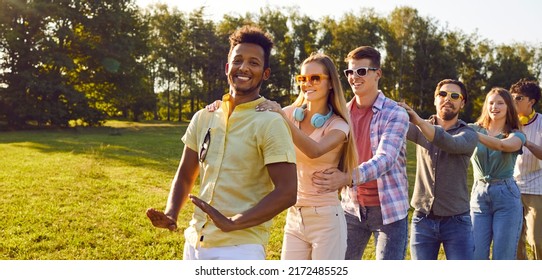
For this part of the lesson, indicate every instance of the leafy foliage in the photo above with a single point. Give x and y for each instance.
(78, 62)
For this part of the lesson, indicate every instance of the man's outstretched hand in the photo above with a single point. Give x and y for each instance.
(160, 220)
(222, 222)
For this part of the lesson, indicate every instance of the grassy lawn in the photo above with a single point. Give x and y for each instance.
(81, 194)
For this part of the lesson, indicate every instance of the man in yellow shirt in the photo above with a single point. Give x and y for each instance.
(247, 160)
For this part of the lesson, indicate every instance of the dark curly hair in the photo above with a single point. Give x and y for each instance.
(253, 35)
(528, 88)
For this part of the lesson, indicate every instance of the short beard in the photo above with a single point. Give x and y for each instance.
(448, 116)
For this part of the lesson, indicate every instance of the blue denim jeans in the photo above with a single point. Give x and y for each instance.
(390, 240)
(454, 233)
(497, 215)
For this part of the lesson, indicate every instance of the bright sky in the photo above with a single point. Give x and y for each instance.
(503, 22)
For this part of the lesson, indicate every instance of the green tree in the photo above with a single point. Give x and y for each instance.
(470, 53)
(432, 62)
(304, 43)
(417, 58)
(510, 64)
(197, 41)
(168, 54)
(40, 64)
(115, 46)
(279, 85)
(338, 38)
(64, 60)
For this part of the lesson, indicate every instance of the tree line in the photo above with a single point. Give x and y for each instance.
(80, 62)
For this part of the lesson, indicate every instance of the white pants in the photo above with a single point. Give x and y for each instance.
(237, 252)
(314, 233)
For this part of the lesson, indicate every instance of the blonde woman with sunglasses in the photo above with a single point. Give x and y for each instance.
(320, 124)
(496, 209)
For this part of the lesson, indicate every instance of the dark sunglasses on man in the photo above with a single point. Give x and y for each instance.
(205, 146)
(518, 97)
(451, 95)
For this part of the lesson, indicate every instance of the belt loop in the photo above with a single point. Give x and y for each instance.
(508, 181)
(363, 212)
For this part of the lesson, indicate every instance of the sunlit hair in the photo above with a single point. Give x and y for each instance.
(455, 82)
(365, 52)
(528, 88)
(349, 159)
(253, 35)
(512, 121)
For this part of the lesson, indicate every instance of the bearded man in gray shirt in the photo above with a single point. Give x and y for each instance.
(444, 145)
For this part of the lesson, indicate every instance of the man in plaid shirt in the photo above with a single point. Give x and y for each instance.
(376, 199)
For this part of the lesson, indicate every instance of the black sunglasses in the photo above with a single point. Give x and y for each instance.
(453, 95)
(205, 146)
(518, 97)
(360, 72)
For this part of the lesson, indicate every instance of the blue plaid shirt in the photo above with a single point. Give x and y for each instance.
(389, 127)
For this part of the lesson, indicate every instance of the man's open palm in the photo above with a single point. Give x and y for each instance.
(160, 220)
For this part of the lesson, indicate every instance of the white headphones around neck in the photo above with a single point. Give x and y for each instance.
(318, 120)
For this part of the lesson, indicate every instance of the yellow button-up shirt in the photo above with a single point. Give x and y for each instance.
(233, 174)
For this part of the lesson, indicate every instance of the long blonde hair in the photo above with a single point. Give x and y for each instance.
(512, 120)
(349, 156)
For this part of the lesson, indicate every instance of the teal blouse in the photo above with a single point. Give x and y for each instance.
(489, 164)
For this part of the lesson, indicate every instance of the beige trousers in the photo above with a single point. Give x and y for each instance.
(532, 226)
(314, 233)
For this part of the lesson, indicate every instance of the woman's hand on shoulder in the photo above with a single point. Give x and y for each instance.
(268, 105)
(213, 106)
(271, 106)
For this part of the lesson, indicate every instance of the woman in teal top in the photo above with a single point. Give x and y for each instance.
(496, 209)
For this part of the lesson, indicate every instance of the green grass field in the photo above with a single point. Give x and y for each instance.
(81, 194)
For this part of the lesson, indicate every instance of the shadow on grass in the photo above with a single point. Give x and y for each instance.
(150, 145)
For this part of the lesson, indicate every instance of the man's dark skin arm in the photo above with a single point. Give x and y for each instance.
(535, 149)
(182, 185)
(284, 195)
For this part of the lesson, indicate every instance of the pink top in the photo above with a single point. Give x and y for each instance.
(368, 191)
(306, 193)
